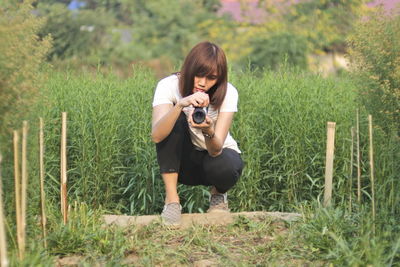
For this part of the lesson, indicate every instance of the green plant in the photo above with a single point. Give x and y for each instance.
(375, 57)
(348, 239)
(21, 60)
(111, 159)
(77, 34)
(160, 26)
(281, 129)
(83, 234)
(324, 24)
(279, 48)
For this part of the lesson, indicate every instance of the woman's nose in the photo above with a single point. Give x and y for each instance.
(202, 81)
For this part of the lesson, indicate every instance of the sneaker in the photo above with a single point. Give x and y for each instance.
(218, 202)
(171, 214)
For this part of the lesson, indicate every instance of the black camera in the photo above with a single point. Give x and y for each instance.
(199, 115)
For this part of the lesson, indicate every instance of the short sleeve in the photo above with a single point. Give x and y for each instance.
(164, 93)
(231, 100)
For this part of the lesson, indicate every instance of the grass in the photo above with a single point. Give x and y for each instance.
(280, 127)
(281, 130)
(245, 242)
(322, 236)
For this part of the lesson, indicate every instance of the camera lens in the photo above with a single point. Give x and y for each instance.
(199, 115)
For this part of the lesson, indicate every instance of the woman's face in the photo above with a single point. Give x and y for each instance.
(203, 84)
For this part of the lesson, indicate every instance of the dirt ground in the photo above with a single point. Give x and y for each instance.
(232, 240)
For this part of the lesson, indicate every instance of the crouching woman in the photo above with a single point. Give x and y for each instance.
(202, 153)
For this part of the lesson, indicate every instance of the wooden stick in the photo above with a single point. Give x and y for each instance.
(64, 205)
(330, 147)
(371, 163)
(42, 174)
(24, 182)
(351, 168)
(17, 193)
(61, 177)
(3, 240)
(62, 167)
(358, 159)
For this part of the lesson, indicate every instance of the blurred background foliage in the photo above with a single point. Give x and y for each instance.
(21, 55)
(120, 33)
(375, 55)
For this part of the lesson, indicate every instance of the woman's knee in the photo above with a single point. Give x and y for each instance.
(171, 149)
(224, 170)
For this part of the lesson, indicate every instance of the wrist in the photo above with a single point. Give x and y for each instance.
(209, 134)
(179, 105)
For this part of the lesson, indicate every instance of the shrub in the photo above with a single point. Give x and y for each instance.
(79, 33)
(272, 51)
(375, 59)
(21, 58)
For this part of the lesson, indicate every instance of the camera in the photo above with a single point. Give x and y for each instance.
(199, 115)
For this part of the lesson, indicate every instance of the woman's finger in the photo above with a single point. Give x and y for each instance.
(189, 117)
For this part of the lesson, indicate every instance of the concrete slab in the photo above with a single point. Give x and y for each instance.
(213, 218)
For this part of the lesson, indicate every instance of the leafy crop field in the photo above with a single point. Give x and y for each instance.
(281, 130)
(280, 127)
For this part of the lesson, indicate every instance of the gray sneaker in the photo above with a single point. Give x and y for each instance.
(219, 202)
(171, 214)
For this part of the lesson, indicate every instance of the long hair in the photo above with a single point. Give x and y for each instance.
(205, 59)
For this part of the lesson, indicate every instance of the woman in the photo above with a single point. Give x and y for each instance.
(196, 153)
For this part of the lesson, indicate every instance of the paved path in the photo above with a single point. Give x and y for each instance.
(213, 218)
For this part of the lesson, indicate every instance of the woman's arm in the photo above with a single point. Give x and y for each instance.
(164, 118)
(215, 144)
(165, 115)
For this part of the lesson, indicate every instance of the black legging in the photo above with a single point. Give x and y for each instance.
(176, 153)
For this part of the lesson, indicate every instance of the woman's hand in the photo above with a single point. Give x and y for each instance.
(198, 99)
(207, 126)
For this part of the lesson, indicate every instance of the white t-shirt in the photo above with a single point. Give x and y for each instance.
(167, 92)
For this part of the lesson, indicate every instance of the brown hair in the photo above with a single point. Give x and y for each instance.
(205, 59)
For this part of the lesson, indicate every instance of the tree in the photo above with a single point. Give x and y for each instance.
(22, 55)
(277, 49)
(325, 23)
(75, 33)
(169, 26)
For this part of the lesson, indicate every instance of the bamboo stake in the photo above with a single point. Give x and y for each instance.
(330, 147)
(351, 168)
(371, 163)
(63, 189)
(61, 177)
(3, 240)
(17, 193)
(24, 182)
(42, 174)
(62, 167)
(358, 159)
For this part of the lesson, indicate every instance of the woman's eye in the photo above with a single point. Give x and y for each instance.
(212, 77)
